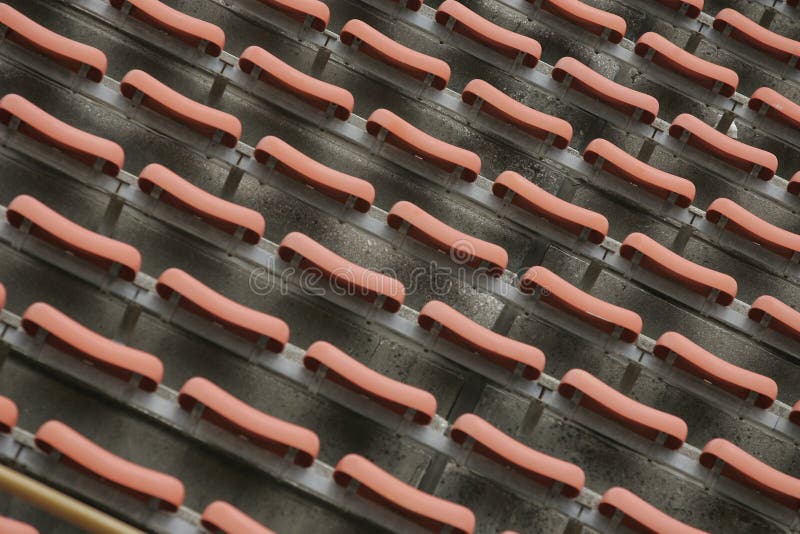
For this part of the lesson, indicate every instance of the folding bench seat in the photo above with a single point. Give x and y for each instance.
(220, 517)
(736, 26)
(607, 25)
(195, 32)
(547, 128)
(776, 315)
(36, 219)
(747, 470)
(222, 409)
(579, 77)
(460, 19)
(463, 249)
(11, 526)
(613, 160)
(54, 437)
(565, 478)
(513, 355)
(87, 61)
(691, 130)
(421, 145)
(366, 39)
(322, 95)
(664, 53)
(385, 291)
(766, 101)
(574, 219)
(102, 154)
(375, 484)
(8, 414)
(199, 299)
(690, 8)
(169, 188)
(602, 315)
(312, 13)
(638, 515)
(212, 123)
(55, 328)
(291, 162)
(731, 217)
(591, 393)
(348, 372)
(686, 355)
(653, 256)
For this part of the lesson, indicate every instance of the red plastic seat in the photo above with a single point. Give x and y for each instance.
(71, 337)
(224, 410)
(661, 260)
(321, 95)
(421, 145)
(606, 401)
(191, 30)
(639, 515)
(350, 373)
(499, 39)
(53, 228)
(589, 18)
(313, 13)
(2, 297)
(462, 248)
(782, 317)
(749, 471)
(695, 360)
(330, 182)
(11, 526)
(715, 143)
(742, 29)
(557, 132)
(8, 414)
(775, 106)
(740, 221)
(379, 486)
(377, 45)
(201, 300)
(691, 8)
(346, 275)
(205, 120)
(500, 350)
(71, 54)
(794, 184)
(498, 446)
(83, 146)
(224, 518)
(144, 483)
(670, 56)
(640, 106)
(794, 415)
(178, 192)
(619, 163)
(600, 314)
(532, 198)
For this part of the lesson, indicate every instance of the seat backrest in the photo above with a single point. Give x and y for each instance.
(9, 414)
(220, 516)
(747, 225)
(589, 18)
(639, 515)
(749, 32)
(779, 316)
(313, 13)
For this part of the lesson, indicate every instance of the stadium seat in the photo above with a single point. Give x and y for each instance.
(774, 105)
(220, 517)
(34, 122)
(606, 401)
(639, 515)
(11, 526)
(313, 13)
(607, 25)
(346, 275)
(502, 448)
(2, 297)
(377, 485)
(224, 410)
(108, 254)
(794, 184)
(71, 337)
(794, 415)
(742, 29)
(348, 372)
(776, 315)
(508, 353)
(8, 415)
(273, 71)
(546, 128)
(421, 145)
(738, 220)
(600, 314)
(209, 122)
(462, 249)
(131, 478)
